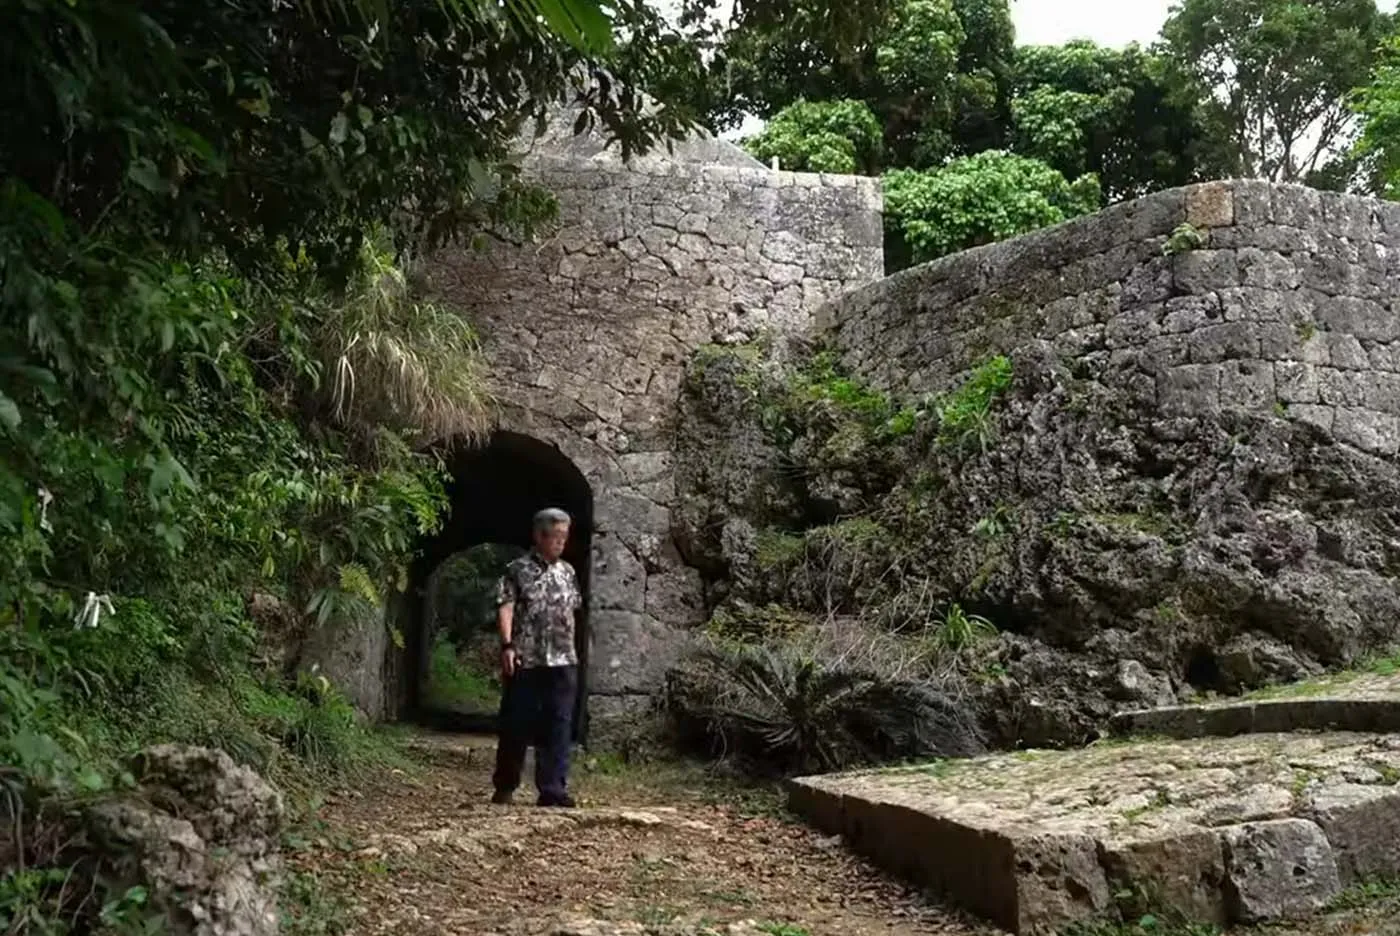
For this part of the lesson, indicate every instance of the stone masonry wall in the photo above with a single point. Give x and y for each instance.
(1289, 306)
(588, 332)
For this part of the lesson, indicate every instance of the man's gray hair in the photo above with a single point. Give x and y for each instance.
(551, 517)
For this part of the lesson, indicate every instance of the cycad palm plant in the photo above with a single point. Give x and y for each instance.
(793, 712)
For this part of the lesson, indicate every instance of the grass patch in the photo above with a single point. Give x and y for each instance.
(310, 908)
(1363, 894)
(1384, 664)
(778, 549)
(454, 683)
(783, 929)
(1147, 924)
(1153, 524)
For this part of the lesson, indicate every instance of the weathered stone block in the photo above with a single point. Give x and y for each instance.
(630, 652)
(1184, 871)
(1189, 389)
(1247, 384)
(1202, 271)
(1362, 824)
(1279, 869)
(1211, 205)
(1058, 880)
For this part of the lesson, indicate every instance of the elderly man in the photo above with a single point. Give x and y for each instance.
(536, 601)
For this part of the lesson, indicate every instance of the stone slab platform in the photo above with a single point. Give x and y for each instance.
(1221, 830)
(1341, 702)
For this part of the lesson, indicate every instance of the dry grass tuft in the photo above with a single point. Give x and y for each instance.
(396, 361)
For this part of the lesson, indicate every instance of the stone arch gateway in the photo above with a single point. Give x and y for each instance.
(587, 334)
(496, 489)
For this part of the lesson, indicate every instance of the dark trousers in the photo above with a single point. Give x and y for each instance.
(537, 707)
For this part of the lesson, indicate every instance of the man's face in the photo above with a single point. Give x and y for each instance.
(550, 541)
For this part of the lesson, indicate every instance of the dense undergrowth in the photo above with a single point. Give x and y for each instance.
(217, 388)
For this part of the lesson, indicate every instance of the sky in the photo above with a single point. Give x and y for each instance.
(1107, 22)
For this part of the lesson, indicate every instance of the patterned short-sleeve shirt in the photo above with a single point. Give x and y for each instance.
(545, 595)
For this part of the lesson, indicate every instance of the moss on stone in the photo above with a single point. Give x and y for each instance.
(778, 549)
(1185, 238)
(744, 622)
(1145, 521)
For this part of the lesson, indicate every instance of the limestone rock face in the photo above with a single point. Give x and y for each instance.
(201, 835)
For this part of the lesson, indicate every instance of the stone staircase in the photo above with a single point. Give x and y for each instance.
(1246, 811)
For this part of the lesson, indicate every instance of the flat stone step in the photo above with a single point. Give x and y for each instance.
(1339, 702)
(1218, 830)
(1259, 717)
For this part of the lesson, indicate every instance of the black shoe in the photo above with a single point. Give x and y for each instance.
(561, 801)
(503, 797)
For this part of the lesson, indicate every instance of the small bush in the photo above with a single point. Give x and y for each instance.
(789, 712)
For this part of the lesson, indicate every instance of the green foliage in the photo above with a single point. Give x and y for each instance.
(395, 361)
(189, 113)
(957, 630)
(464, 592)
(820, 391)
(1184, 238)
(824, 381)
(964, 414)
(777, 550)
(215, 378)
(1116, 113)
(933, 72)
(793, 713)
(1366, 892)
(1378, 105)
(1273, 78)
(980, 199)
(827, 136)
(454, 683)
(742, 622)
(783, 929)
(308, 910)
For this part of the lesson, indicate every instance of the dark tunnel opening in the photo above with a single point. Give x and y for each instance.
(495, 490)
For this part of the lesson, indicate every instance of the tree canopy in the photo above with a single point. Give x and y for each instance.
(1273, 78)
(1262, 88)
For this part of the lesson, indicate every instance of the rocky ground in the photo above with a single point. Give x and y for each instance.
(654, 851)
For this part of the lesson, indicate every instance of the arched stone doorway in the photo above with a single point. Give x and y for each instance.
(495, 490)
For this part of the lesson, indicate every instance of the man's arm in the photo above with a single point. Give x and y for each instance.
(577, 598)
(505, 621)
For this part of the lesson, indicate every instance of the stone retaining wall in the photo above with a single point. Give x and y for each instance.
(1287, 306)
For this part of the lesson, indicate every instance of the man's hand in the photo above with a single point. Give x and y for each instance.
(508, 662)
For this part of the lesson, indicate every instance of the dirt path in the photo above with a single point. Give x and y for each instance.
(659, 850)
